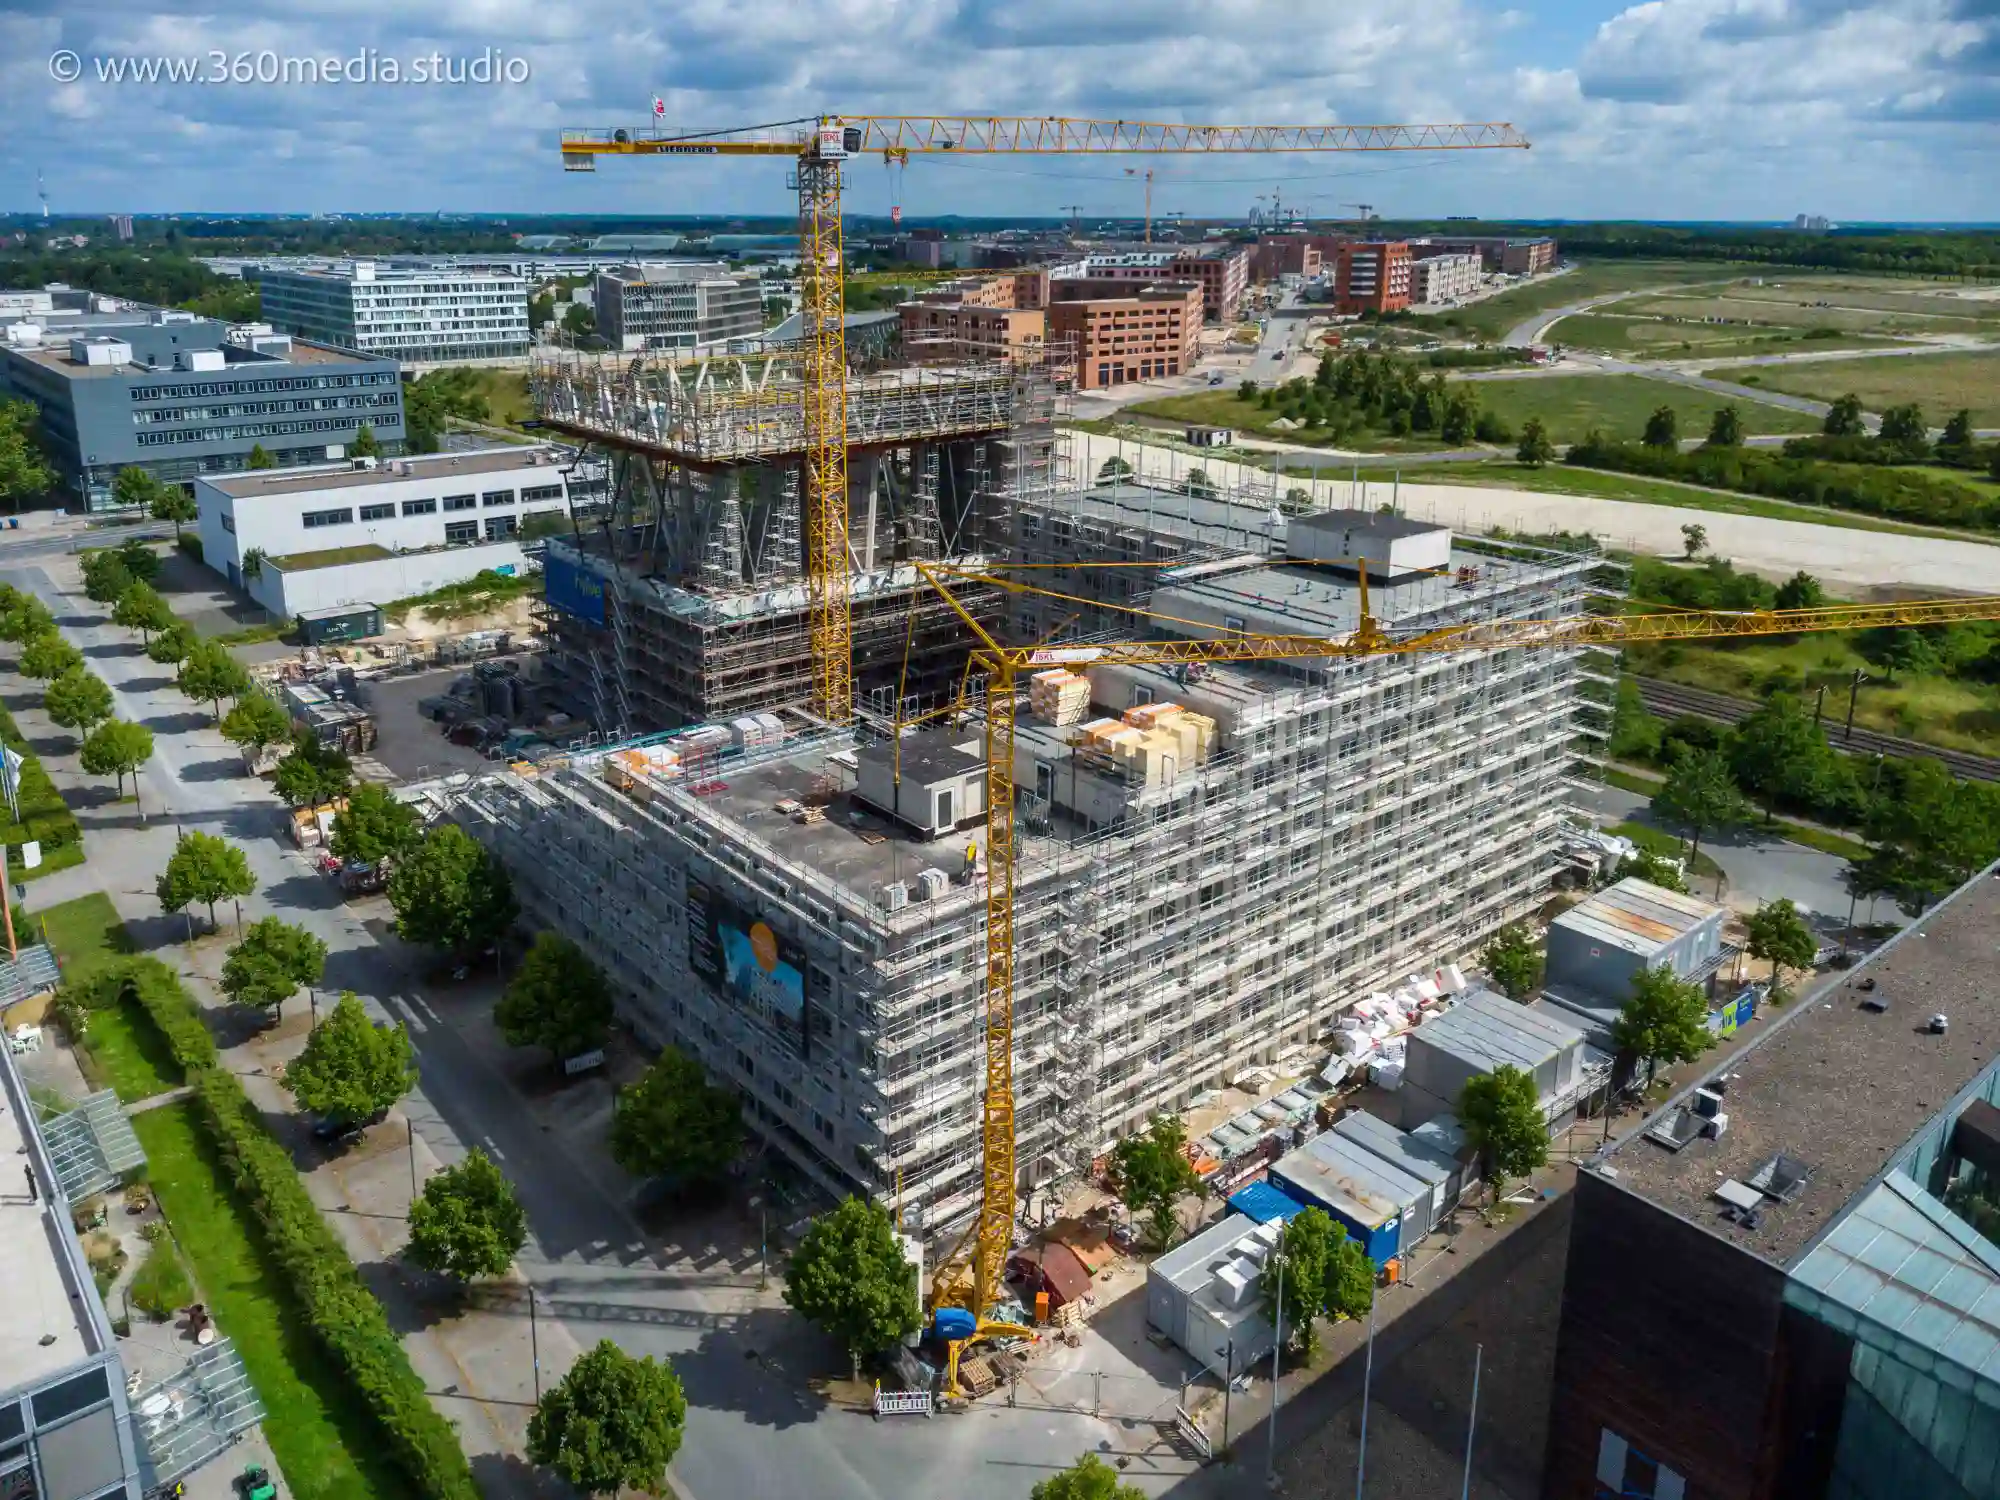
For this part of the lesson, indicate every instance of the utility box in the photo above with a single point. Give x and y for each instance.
(1599, 946)
(340, 622)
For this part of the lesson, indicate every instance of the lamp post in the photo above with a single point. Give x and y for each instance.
(1278, 1262)
(1367, 1380)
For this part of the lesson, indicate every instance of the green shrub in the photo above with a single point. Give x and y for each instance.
(159, 992)
(160, 1285)
(344, 1313)
(44, 814)
(190, 544)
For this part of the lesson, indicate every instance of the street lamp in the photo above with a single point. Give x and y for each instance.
(1278, 1263)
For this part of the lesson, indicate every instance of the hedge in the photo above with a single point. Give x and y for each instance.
(44, 814)
(344, 1314)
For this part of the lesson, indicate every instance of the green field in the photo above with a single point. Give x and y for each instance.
(1221, 408)
(1642, 337)
(321, 1431)
(123, 1049)
(1570, 405)
(1949, 712)
(1492, 318)
(506, 393)
(1601, 484)
(1940, 383)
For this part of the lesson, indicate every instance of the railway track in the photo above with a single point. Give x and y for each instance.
(1671, 699)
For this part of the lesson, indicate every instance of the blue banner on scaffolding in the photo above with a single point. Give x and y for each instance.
(573, 590)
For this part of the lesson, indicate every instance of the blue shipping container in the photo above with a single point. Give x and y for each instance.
(1264, 1203)
(1371, 1220)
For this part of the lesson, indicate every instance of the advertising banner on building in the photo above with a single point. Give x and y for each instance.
(756, 970)
(573, 590)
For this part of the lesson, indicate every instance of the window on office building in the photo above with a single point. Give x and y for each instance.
(456, 532)
(420, 507)
(500, 527)
(378, 512)
(317, 518)
(497, 497)
(461, 502)
(541, 492)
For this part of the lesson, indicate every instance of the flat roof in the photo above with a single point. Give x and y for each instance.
(45, 1325)
(1326, 600)
(249, 486)
(1486, 1030)
(1841, 1088)
(237, 361)
(1186, 1266)
(1367, 522)
(929, 754)
(1637, 916)
(1397, 1147)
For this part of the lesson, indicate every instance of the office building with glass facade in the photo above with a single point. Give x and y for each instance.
(415, 315)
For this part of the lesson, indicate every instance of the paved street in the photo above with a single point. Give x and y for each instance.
(686, 1291)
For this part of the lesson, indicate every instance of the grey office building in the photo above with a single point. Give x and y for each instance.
(433, 315)
(676, 305)
(184, 396)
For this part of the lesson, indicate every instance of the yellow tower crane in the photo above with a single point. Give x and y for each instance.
(818, 145)
(1001, 666)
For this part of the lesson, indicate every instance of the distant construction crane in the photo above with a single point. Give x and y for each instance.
(819, 145)
(1367, 211)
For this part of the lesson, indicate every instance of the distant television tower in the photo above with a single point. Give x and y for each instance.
(42, 192)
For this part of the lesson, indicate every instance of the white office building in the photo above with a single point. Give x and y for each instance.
(1438, 279)
(370, 533)
(417, 316)
(687, 305)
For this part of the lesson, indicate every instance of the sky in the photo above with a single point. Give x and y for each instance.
(1668, 109)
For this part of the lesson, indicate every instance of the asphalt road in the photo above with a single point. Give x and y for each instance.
(754, 1429)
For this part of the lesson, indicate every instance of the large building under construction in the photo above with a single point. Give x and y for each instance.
(685, 600)
(1211, 862)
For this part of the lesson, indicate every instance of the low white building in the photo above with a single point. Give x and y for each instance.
(1437, 279)
(365, 532)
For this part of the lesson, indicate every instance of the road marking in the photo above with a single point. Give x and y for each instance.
(410, 1017)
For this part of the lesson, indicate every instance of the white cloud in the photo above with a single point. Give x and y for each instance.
(1673, 108)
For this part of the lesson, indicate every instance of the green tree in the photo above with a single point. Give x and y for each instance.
(1725, 428)
(1513, 961)
(467, 1222)
(1303, 1257)
(77, 700)
(1665, 1020)
(1693, 539)
(1535, 449)
(260, 458)
(1461, 415)
(211, 674)
(1663, 428)
(613, 1424)
(48, 657)
(142, 609)
(271, 962)
(1701, 793)
(1151, 1173)
(1200, 485)
(114, 748)
(171, 646)
(1904, 427)
(1089, 1478)
(105, 577)
(204, 868)
(850, 1277)
(450, 893)
(1780, 937)
(313, 774)
(1800, 591)
(1635, 733)
(364, 444)
(136, 487)
(579, 321)
(1502, 1116)
(1843, 417)
(174, 504)
(256, 721)
(252, 566)
(1350, 1278)
(351, 1069)
(1654, 869)
(1993, 464)
(1298, 501)
(558, 999)
(139, 559)
(25, 619)
(1779, 752)
(1957, 436)
(1930, 837)
(25, 473)
(1901, 648)
(674, 1124)
(1114, 470)
(1247, 391)
(375, 825)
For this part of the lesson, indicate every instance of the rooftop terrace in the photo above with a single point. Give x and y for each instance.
(1840, 1086)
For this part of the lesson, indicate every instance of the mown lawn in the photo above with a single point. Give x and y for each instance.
(324, 1437)
(1493, 318)
(1940, 383)
(1571, 405)
(123, 1049)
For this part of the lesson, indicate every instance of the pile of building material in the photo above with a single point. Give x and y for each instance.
(1059, 695)
(1369, 1035)
(1153, 741)
(503, 710)
(329, 715)
(756, 731)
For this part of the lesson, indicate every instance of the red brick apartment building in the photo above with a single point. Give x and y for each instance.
(1372, 277)
(1285, 255)
(1121, 333)
(1028, 288)
(1222, 270)
(936, 331)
